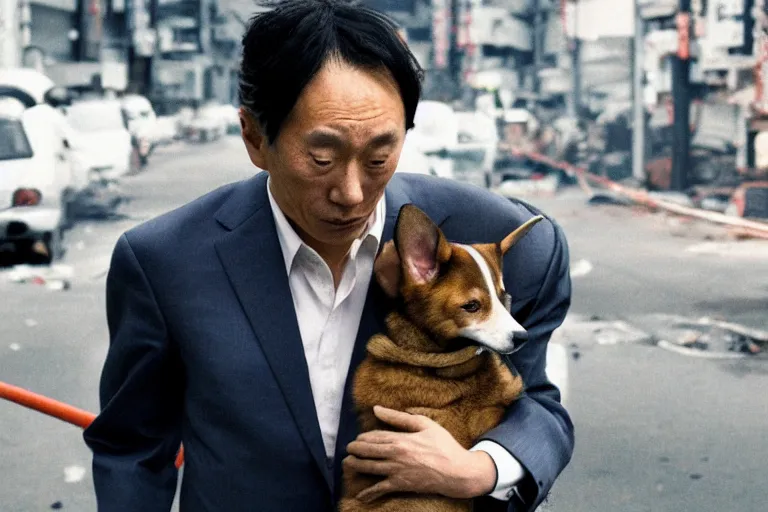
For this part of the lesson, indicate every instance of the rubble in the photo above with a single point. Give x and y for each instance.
(707, 337)
(55, 277)
(543, 186)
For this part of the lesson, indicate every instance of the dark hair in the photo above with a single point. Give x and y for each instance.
(285, 47)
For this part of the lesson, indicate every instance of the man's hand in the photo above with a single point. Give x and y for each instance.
(423, 459)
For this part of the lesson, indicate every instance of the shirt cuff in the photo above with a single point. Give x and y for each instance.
(508, 470)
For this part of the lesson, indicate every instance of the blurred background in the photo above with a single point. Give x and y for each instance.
(641, 126)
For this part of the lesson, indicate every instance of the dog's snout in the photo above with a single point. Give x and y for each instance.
(517, 339)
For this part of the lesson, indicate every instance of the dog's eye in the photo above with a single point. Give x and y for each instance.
(472, 306)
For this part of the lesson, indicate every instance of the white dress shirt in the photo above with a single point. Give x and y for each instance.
(329, 319)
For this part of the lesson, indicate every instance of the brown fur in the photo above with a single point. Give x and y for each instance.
(420, 367)
(467, 398)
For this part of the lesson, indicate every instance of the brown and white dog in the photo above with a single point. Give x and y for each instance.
(439, 357)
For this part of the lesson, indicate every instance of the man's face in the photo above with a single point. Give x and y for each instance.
(335, 152)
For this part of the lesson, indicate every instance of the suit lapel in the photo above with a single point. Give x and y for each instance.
(253, 260)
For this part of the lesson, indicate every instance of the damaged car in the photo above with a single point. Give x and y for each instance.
(35, 174)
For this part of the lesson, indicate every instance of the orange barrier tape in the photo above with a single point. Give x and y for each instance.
(757, 229)
(56, 409)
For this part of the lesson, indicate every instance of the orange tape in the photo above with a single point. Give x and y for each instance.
(56, 409)
(754, 228)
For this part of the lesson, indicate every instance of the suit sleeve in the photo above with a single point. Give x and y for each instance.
(537, 430)
(135, 437)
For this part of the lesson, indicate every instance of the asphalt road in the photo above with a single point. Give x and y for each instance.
(656, 431)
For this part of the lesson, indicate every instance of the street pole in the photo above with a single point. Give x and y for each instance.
(538, 49)
(454, 64)
(681, 98)
(638, 124)
(575, 64)
(9, 34)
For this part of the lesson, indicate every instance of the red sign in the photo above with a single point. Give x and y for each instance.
(683, 21)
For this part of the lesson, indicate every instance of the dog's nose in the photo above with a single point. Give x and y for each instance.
(520, 337)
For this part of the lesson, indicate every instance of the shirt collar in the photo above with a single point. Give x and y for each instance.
(291, 243)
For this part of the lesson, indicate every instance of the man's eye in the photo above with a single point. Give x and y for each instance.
(378, 162)
(321, 162)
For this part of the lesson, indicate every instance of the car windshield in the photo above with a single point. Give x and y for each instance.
(468, 160)
(86, 117)
(13, 141)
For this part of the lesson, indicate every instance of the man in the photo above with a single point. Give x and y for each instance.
(236, 320)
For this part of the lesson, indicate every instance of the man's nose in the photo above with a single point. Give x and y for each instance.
(349, 189)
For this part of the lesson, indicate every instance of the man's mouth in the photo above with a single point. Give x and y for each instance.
(345, 223)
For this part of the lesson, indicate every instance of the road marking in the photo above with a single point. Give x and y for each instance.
(74, 474)
(752, 249)
(581, 268)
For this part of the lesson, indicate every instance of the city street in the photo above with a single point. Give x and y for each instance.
(656, 430)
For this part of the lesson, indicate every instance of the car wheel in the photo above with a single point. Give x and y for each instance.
(68, 210)
(56, 246)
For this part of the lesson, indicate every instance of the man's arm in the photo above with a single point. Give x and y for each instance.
(537, 430)
(137, 434)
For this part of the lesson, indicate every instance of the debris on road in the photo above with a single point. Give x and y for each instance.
(578, 332)
(536, 186)
(708, 338)
(30, 322)
(54, 277)
(15, 347)
(608, 197)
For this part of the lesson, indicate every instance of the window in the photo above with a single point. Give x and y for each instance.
(13, 141)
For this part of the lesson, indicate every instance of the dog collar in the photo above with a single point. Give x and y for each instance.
(382, 347)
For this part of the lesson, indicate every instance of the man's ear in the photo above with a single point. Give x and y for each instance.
(421, 246)
(254, 138)
(388, 271)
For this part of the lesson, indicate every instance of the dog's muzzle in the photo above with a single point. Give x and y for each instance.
(517, 339)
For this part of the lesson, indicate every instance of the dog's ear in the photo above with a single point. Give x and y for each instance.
(515, 236)
(388, 271)
(420, 245)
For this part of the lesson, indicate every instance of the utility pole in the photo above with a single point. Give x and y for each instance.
(575, 105)
(681, 98)
(454, 63)
(10, 52)
(538, 45)
(638, 81)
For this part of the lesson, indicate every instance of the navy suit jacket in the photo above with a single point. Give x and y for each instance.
(205, 349)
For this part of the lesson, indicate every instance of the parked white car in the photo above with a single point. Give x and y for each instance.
(101, 143)
(167, 130)
(207, 125)
(35, 179)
